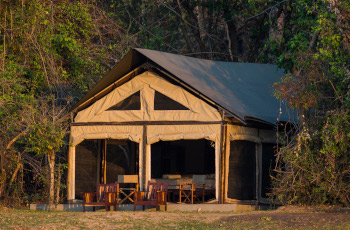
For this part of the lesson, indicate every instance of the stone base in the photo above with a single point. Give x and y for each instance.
(211, 207)
(78, 207)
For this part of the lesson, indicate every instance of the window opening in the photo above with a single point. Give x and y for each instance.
(132, 102)
(162, 102)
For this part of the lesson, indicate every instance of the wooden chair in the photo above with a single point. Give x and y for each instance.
(193, 191)
(105, 195)
(127, 192)
(155, 195)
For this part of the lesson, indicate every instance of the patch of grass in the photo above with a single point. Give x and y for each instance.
(14, 218)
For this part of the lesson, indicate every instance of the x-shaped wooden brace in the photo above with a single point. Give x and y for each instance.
(187, 194)
(127, 195)
(199, 190)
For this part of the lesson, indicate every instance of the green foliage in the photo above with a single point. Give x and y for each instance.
(44, 138)
(317, 165)
(51, 54)
(317, 161)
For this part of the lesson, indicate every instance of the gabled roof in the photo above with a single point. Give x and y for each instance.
(243, 89)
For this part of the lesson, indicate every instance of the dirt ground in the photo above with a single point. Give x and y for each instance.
(282, 218)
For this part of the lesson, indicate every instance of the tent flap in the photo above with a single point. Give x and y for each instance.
(157, 133)
(80, 133)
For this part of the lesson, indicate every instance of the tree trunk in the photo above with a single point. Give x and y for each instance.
(58, 186)
(192, 21)
(3, 175)
(234, 41)
(51, 159)
(2, 180)
(232, 35)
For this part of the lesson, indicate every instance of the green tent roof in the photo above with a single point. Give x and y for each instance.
(243, 89)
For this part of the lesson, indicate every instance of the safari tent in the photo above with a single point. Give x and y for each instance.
(166, 116)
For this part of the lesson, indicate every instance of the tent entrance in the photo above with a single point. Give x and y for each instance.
(183, 157)
(177, 162)
(101, 161)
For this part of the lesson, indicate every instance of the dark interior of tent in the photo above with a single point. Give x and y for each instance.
(95, 165)
(182, 157)
(242, 171)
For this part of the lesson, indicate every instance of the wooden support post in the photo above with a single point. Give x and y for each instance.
(223, 150)
(104, 161)
(142, 160)
(227, 161)
(222, 162)
(217, 169)
(147, 164)
(71, 174)
(144, 150)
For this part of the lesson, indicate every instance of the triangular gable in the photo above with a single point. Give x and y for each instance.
(148, 84)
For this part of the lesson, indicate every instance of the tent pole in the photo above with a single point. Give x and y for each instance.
(147, 164)
(222, 162)
(224, 156)
(142, 159)
(104, 161)
(71, 166)
(227, 160)
(71, 174)
(217, 168)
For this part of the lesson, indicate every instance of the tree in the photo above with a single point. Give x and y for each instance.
(315, 162)
(51, 53)
(45, 137)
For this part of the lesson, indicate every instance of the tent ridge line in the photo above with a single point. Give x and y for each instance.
(150, 123)
(113, 85)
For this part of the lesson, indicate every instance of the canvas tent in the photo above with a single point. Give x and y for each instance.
(162, 113)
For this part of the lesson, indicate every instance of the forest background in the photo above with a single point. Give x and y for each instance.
(53, 51)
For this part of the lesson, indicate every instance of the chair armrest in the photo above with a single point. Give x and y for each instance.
(89, 197)
(184, 184)
(161, 196)
(111, 197)
(139, 196)
(199, 185)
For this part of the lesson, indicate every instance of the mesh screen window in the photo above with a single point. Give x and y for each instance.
(162, 102)
(132, 102)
